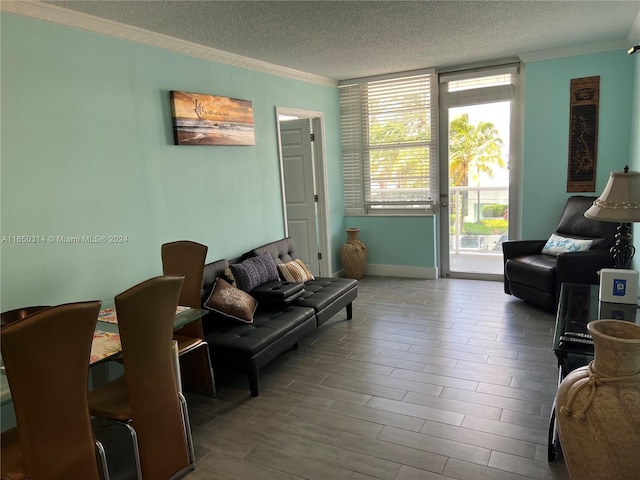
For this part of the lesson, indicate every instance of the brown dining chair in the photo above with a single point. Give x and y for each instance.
(146, 399)
(188, 258)
(46, 359)
(18, 314)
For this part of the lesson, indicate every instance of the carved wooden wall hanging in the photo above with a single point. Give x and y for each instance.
(583, 134)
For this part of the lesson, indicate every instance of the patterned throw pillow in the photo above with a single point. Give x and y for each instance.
(295, 271)
(231, 302)
(254, 271)
(557, 245)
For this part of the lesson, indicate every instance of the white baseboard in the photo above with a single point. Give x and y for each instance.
(402, 271)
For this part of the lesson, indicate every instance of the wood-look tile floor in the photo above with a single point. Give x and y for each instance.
(431, 379)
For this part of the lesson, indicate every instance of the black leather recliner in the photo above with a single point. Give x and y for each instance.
(536, 277)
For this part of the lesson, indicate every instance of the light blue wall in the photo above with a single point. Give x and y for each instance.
(635, 116)
(397, 241)
(412, 242)
(87, 149)
(546, 131)
(635, 145)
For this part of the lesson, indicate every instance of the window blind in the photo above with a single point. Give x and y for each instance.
(389, 140)
(472, 87)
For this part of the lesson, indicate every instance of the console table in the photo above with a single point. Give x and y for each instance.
(579, 305)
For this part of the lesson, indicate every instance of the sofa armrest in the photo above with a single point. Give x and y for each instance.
(517, 248)
(278, 293)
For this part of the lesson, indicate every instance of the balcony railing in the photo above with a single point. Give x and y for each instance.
(479, 218)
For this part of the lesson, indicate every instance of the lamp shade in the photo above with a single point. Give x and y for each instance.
(620, 200)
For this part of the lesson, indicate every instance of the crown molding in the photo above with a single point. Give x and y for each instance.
(90, 23)
(550, 54)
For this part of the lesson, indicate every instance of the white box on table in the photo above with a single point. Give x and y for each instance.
(618, 286)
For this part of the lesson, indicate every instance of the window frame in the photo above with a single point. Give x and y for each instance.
(355, 101)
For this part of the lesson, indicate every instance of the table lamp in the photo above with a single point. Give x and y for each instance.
(620, 203)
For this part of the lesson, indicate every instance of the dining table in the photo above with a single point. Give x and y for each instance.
(106, 343)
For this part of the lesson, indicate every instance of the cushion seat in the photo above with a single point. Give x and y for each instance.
(319, 292)
(228, 337)
(538, 270)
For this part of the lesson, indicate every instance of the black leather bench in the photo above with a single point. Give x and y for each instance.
(326, 295)
(286, 312)
(247, 347)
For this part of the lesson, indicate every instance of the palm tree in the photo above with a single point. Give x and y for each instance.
(473, 149)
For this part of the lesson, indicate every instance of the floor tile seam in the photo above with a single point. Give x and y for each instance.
(546, 385)
(360, 450)
(309, 437)
(445, 346)
(439, 380)
(480, 380)
(548, 396)
(508, 406)
(541, 463)
(519, 477)
(390, 344)
(388, 352)
(387, 413)
(522, 365)
(399, 390)
(462, 408)
(482, 449)
(542, 432)
(491, 435)
(452, 354)
(436, 412)
(289, 472)
(326, 414)
(386, 361)
(419, 385)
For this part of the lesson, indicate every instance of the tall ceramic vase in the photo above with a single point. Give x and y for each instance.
(353, 254)
(599, 407)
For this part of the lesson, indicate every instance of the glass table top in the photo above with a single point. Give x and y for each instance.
(579, 304)
(106, 340)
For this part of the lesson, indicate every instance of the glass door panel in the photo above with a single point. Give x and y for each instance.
(478, 185)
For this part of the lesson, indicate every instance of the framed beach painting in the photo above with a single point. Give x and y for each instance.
(201, 119)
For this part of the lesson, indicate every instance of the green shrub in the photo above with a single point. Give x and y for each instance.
(494, 210)
(475, 229)
(498, 226)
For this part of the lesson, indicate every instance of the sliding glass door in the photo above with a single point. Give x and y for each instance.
(477, 118)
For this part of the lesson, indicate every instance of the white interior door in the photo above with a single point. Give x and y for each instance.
(299, 184)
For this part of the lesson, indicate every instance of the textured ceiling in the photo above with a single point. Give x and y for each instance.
(350, 39)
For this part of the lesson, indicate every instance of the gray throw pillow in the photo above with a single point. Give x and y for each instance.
(254, 271)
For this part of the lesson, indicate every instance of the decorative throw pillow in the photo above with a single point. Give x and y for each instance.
(231, 302)
(295, 271)
(557, 245)
(254, 271)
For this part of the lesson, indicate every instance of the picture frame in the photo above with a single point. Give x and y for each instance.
(203, 119)
(583, 134)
